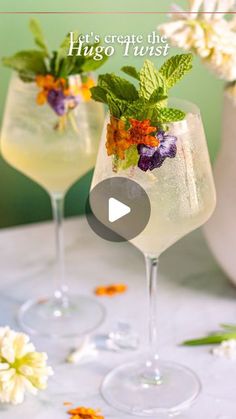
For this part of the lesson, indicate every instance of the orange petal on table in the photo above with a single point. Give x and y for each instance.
(84, 413)
(110, 290)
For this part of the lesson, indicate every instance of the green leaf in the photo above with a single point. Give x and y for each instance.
(211, 339)
(113, 106)
(99, 94)
(175, 68)
(136, 106)
(118, 87)
(158, 96)
(38, 36)
(131, 71)
(62, 51)
(90, 64)
(31, 61)
(131, 159)
(27, 77)
(229, 327)
(150, 80)
(164, 115)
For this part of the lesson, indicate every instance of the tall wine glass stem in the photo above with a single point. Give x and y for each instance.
(152, 374)
(60, 293)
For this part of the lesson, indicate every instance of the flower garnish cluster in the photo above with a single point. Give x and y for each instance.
(137, 133)
(21, 367)
(206, 30)
(63, 81)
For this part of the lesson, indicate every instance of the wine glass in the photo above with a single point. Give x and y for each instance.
(54, 152)
(182, 197)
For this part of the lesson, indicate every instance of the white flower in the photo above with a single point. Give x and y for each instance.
(83, 353)
(21, 367)
(227, 349)
(210, 36)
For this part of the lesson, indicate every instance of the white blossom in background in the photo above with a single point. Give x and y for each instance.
(21, 367)
(211, 36)
(227, 349)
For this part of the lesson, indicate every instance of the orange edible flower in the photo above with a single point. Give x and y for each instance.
(110, 290)
(118, 138)
(85, 413)
(46, 83)
(41, 97)
(140, 133)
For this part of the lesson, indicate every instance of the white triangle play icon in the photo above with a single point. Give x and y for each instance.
(116, 209)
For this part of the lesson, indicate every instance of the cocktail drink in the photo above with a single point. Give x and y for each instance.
(32, 143)
(165, 152)
(50, 133)
(181, 191)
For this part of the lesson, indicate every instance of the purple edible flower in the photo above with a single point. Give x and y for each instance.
(153, 157)
(56, 100)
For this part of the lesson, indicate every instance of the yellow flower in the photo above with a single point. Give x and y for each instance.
(21, 367)
(85, 89)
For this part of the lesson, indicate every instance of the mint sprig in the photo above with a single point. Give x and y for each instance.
(31, 63)
(148, 100)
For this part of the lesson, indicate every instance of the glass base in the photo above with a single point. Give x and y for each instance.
(127, 389)
(81, 315)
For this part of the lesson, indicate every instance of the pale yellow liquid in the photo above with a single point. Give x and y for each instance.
(55, 167)
(30, 143)
(181, 191)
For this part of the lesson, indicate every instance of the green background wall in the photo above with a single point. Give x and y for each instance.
(22, 201)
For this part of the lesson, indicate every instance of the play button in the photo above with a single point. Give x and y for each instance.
(118, 209)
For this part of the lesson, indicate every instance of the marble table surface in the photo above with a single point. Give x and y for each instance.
(194, 298)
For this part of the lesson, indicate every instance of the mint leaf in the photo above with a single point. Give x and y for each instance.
(90, 64)
(140, 109)
(175, 68)
(150, 80)
(38, 36)
(164, 115)
(31, 62)
(136, 109)
(158, 96)
(131, 71)
(62, 51)
(27, 77)
(119, 87)
(131, 158)
(99, 94)
(116, 106)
